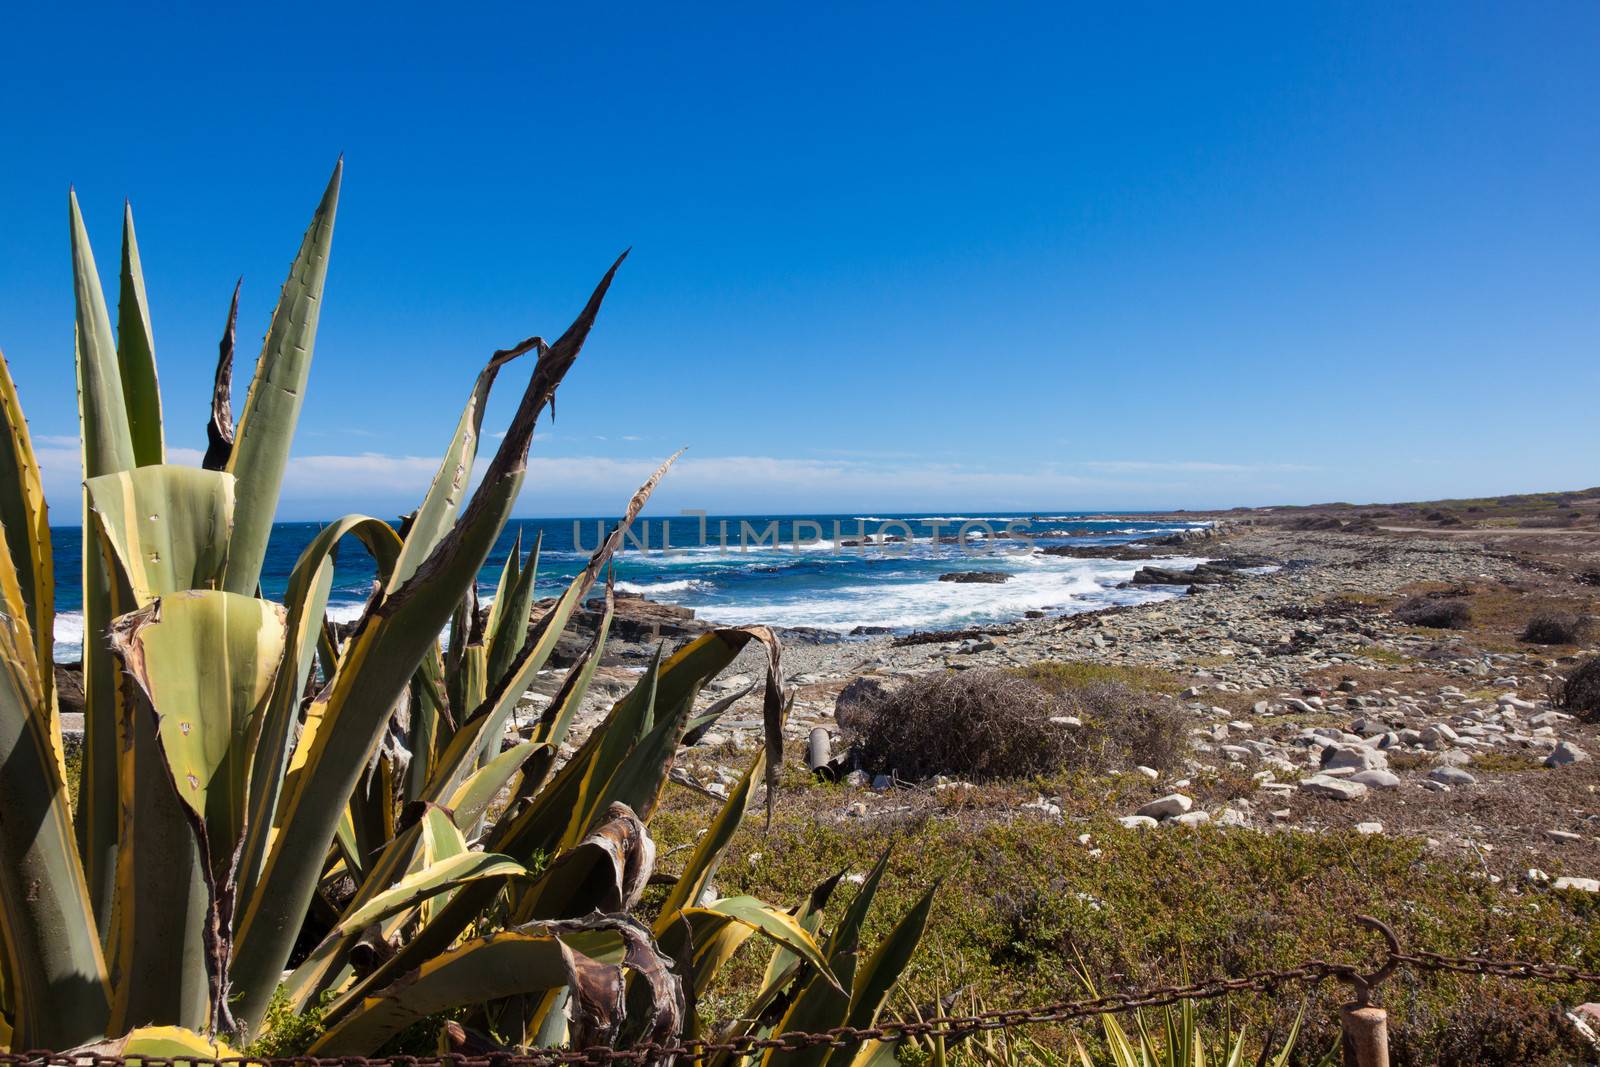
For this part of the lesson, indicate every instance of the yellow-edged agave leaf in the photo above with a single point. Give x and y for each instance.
(169, 526)
(625, 759)
(158, 1043)
(473, 797)
(306, 599)
(272, 407)
(876, 978)
(507, 628)
(136, 354)
(204, 662)
(55, 973)
(442, 876)
(818, 1004)
(771, 922)
(207, 661)
(702, 864)
(478, 971)
(375, 669)
(107, 447)
(430, 840)
(25, 526)
(538, 828)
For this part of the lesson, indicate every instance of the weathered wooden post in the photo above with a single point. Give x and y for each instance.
(1365, 1025)
(1366, 1035)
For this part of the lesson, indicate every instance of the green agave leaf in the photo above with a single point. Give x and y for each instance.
(25, 526)
(509, 617)
(107, 448)
(703, 862)
(774, 923)
(160, 1043)
(169, 526)
(55, 973)
(877, 977)
(449, 873)
(480, 970)
(474, 796)
(205, 662)
(272, 408)
(136, 357)
(347, 719)
(307, 599)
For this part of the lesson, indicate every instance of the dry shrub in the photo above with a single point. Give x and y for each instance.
(1581, 693)
(1447, 613)
(1555, 628)
(982, 725)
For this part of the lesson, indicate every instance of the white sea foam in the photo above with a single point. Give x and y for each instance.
(345, 613)
(657, 589)
(1049, 584)
(68, 636)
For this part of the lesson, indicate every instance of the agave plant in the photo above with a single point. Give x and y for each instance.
(1171, 1037)
(253, 780)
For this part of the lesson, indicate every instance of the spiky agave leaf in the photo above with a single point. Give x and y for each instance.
(349, 716)
(55, 972)
(173, 1044)
(136, 356)
(25, 527)
(219, 427)
(107, 448)
(205, 662)
(500, 965)
(272, 407)
(306, 598)
(168, 526)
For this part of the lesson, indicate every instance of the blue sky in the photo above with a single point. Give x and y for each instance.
(887, 256)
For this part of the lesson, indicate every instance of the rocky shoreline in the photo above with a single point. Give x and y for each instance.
(1312, 707)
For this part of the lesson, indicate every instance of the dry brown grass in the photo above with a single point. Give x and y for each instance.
(1555, 628)
(1581, 693)
(984, 725)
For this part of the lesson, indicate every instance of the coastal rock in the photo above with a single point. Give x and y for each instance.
(1582, 885)
(1353, 757)
(1376, 779)
(1338, 788)
(1166, 807)
(1451, 776)
(976, 577)
(1565, 753)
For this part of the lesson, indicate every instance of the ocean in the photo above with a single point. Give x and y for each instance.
(838, 573)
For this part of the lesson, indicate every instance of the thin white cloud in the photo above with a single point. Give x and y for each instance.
(321, 485)
(1187, 465)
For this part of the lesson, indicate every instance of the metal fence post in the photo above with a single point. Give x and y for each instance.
(1366, 1035)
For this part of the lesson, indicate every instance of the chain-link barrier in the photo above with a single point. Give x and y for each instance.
(692, 1051)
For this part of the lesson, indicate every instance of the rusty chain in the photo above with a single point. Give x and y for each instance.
(1310, 973)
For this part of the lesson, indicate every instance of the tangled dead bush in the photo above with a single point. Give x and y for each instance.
(1439, 613)
(1581, 693)
(1555, 628)
(986, 724)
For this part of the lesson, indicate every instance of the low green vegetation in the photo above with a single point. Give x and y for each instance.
(1024, 900)
(1060, 675)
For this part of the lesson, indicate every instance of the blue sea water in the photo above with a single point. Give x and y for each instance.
(827, 572)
